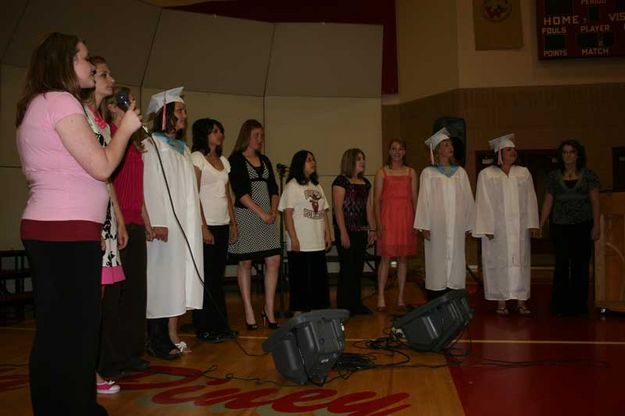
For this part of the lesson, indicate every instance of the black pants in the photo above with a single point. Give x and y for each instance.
(123, 307)
(433, 294)
(573, 249)
(308, 278)
(66, 287)
(213, 317)
(352, 261)
(158, 341)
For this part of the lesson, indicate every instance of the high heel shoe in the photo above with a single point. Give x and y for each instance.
(251, 327)
(267, 322)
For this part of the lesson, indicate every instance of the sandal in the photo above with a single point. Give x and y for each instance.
(182, 347)
(523, 310)
(502, 311)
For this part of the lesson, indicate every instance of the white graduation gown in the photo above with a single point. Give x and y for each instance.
(173, 285)
(445, 208)
(506, 207)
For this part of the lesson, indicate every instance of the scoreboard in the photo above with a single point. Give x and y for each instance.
(580, 28)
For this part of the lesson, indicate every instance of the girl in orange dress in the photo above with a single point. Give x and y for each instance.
(395, 201)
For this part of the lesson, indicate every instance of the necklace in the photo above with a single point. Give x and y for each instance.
(98, 118)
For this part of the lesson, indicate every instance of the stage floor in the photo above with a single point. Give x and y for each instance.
(513, 365)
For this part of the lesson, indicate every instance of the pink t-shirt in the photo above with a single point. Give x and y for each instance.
(60, 189)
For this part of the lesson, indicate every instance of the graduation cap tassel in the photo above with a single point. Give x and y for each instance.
(431, 156)
(499, 158)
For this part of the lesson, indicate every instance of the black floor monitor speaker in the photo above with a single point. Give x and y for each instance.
(433, 326)
(307, 346)
(457, 128)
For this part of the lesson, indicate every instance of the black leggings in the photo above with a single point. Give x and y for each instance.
(352, 261)
(66, 287)
(573, 249)
(213, 317)
(123, 307)
(308, 279)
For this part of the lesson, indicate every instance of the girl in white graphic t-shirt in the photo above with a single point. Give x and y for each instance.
(305, 209)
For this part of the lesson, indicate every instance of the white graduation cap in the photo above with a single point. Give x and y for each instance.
(160, 99)
(501, 143)
(435, 139)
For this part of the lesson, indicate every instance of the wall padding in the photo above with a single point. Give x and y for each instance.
(119, 30)
(326, 60)
(207, 53)
(15, 195)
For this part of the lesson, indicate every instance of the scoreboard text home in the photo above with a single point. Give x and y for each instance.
(580, 28)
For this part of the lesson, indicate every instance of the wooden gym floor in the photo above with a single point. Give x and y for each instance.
(513, 365)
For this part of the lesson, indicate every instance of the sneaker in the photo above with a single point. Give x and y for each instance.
(108, 387)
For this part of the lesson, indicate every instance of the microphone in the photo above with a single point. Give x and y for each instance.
(123, 102)
(282, 169)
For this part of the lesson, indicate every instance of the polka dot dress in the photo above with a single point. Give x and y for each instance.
(255, 239)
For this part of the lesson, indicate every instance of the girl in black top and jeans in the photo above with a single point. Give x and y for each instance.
(572, 206)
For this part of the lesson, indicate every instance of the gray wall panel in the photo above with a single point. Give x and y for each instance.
(16, 193)
(326, 60)
(210, 54)
(119, 30)
(11, 13)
